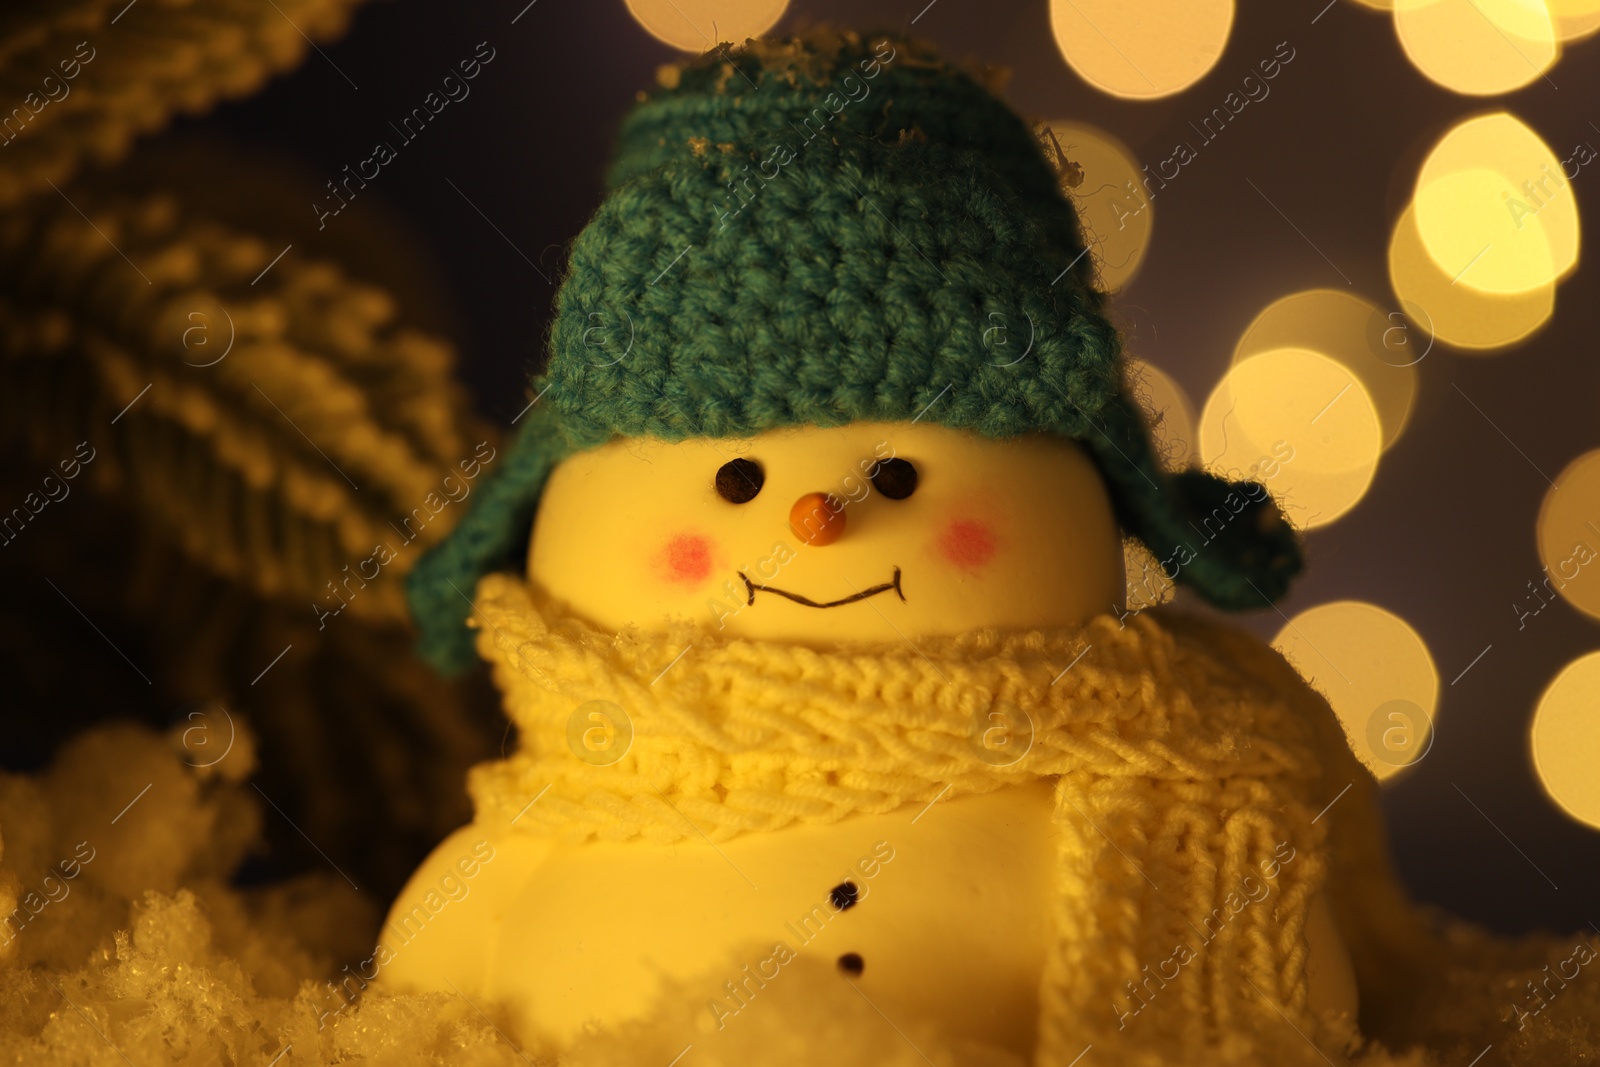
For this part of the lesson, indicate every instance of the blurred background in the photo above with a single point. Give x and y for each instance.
(1340, 215)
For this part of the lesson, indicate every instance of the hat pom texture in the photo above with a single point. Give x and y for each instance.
(831, 228)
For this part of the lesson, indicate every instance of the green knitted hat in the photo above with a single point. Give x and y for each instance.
(830, 228)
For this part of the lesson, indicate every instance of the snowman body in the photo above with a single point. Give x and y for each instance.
(944, 910)
(940, 912)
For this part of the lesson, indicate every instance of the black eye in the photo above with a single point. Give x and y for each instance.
(739, 480)
(895, 479)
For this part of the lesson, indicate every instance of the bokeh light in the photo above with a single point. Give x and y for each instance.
(697, 25)
(1377, 674)
(1569, 539)
(1301, 424)
(1170, 413)
(1494, 208)
(1478, 47)
(1372, 344)
(1565, 738)
(1110, 197)
(1575, 19)
(1572, 19)
(1141, 50)
(1469, 319)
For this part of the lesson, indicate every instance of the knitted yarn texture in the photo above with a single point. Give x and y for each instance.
(1172, 768)
(829, 229)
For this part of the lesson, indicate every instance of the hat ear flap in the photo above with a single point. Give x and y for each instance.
(1226, 540)
(493, 535)
(1244, 551)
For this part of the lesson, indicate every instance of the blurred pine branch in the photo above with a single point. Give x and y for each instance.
(259, 423)
(151, 60)
(278, 431)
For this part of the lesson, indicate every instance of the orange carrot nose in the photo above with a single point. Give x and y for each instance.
(817, 519)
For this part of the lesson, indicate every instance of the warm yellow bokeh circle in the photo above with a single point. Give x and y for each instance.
(1373, 344)
(1142, 50)
(697, 25)
(1569, 540)
(1110, 196)
(1575, 19)
(1494, 207)
(1469, 319)
(1301, 424)
(1377, 674)
(1565, 738)
(1478, 47)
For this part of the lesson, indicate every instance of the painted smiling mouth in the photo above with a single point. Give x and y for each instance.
(751, 587)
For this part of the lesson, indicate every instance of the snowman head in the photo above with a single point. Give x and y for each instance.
(868, 531)
(836, 279)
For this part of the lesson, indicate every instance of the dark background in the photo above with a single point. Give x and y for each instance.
(1445, 536)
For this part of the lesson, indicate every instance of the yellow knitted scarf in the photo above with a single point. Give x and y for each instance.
(1188, 790)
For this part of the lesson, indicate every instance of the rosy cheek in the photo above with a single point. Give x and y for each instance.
(967, 543)
(685, 559)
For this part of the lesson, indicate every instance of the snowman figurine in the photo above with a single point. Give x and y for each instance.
(803, 584)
